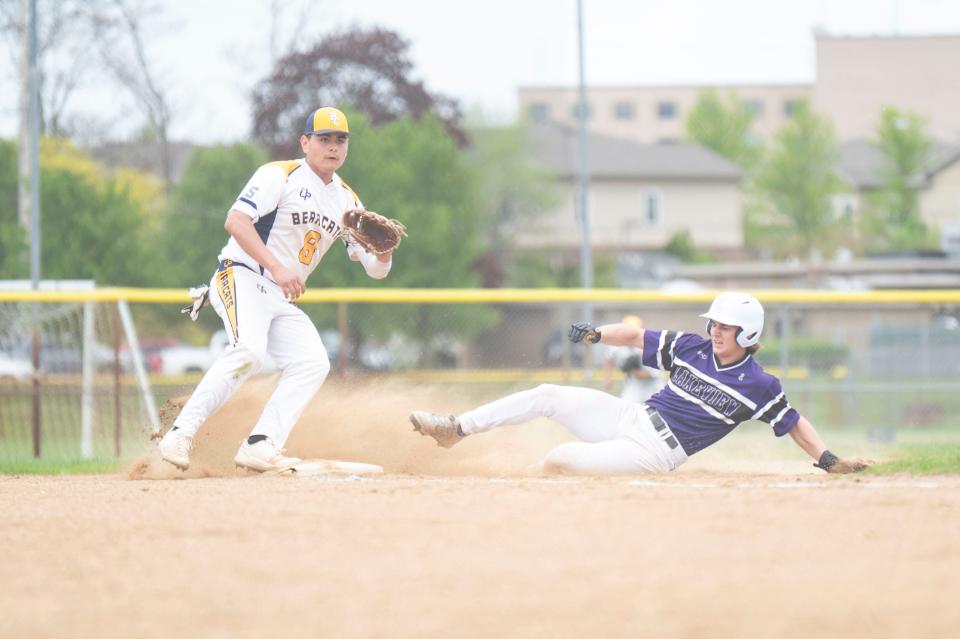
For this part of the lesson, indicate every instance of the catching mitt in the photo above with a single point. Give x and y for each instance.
(375, 233)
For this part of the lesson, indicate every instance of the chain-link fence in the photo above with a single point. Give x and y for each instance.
(851, 363)
(85, 401)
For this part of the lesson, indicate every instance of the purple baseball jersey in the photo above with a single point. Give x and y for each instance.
(704, 402)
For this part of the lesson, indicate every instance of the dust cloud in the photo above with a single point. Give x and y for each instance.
(365, 419)
(362, 420)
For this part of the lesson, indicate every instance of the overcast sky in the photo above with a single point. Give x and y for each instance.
(210, 52)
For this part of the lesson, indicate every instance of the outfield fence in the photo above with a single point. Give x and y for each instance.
(879, 360)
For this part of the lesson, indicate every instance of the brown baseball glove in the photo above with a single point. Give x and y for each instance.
(375, 233)
(837, 466)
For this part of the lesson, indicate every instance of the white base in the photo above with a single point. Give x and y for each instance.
(318, 467)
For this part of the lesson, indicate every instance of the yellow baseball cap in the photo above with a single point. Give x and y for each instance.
(326, 120)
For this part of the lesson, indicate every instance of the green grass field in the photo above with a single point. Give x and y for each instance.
(921, 459)
(31, 466)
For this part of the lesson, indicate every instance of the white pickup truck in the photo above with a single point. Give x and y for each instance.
(178, 360)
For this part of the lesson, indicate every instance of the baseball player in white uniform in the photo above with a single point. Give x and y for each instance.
(639, 381)
(283, 222)
(715, 384)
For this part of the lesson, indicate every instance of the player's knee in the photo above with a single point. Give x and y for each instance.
(314, 371)
(545, 399)
(246, 359)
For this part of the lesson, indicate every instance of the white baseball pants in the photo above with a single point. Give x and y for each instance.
(617, 436)
(260, 320)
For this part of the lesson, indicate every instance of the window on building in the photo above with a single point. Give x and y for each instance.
(539, 112)
(755, 107)
(652, 206)
(666, 110)
(790, 107)
(624, 111)
(575, 111)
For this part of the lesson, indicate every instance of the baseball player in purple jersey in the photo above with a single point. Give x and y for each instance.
(715, 384)
(283, 222)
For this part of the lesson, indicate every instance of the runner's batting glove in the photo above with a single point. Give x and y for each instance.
(836, 466)
(584, 332)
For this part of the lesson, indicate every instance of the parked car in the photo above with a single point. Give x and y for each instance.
(372, 357)
(150, 349)
(14, 368)
(180, 359)
(64, 358)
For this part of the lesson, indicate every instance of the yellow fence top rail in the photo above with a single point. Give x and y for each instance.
(503, 296)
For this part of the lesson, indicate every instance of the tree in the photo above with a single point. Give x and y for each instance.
(414, 171)
(70, 34)
(119, 34)
(13, 254)
(514, 189)
(192, 233)
(64, 35)
(367, 69)
(681, 246)
(892, 218)
(724, 126)
(104, 219)
(793, 213)
(94, 226)
(549, 269)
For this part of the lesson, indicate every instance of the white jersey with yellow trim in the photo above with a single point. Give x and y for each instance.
(296, 214)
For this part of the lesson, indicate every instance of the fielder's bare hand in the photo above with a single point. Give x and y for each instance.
(293, 287)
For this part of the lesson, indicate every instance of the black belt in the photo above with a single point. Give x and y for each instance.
(225, 264)
(660, 426)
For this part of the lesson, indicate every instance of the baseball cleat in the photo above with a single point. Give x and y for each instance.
(175, 448)
(443, 428)
(263, 456)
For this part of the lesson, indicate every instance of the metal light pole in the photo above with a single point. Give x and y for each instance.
(583, 188)
(34, 151)
(583, 173)
(33, 86)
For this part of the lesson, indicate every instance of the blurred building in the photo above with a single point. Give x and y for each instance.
(861, 165)
(855, 78)
(655, 114)
(640, 195)
(894, 272)
(647, 185)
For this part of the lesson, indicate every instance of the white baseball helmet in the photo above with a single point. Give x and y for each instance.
(738, 309)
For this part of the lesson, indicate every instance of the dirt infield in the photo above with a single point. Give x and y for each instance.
(702, 555)
(460, 543)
